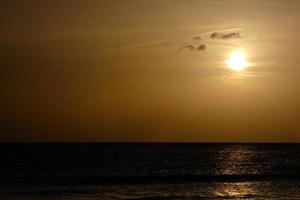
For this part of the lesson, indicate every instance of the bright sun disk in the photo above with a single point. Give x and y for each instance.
(237, 61)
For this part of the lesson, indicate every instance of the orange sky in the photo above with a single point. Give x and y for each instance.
(107, 70)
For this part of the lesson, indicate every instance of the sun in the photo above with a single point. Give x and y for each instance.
(237, 61)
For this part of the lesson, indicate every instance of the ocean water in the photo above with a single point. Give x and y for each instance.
(149, 171)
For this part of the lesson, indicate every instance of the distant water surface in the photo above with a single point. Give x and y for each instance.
(149, 171)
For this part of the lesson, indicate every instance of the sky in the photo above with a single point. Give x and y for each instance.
(130, 70)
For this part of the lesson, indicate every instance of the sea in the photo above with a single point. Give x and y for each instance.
(83, 171)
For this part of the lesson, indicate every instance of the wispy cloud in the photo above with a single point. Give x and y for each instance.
(140, 45)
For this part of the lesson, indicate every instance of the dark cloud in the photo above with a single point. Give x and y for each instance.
(189, 47)
(218, 35)
(193, 48)
(201, 47)
(214, 35)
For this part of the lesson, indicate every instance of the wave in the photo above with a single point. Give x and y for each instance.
(79, 180)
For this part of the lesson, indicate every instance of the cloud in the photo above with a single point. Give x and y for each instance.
(189, 47)
(201, 47)
(197, 38)
(193, 48)
(219, 35)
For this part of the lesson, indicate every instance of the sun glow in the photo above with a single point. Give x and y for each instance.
(237, 61)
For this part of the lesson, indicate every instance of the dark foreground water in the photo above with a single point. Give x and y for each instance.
(149, 171)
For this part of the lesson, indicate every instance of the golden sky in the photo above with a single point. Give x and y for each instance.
(130, 70)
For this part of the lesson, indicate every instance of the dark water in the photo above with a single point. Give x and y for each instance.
(149, 171)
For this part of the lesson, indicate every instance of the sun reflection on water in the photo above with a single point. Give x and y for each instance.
(236, 161)
(235, 190)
